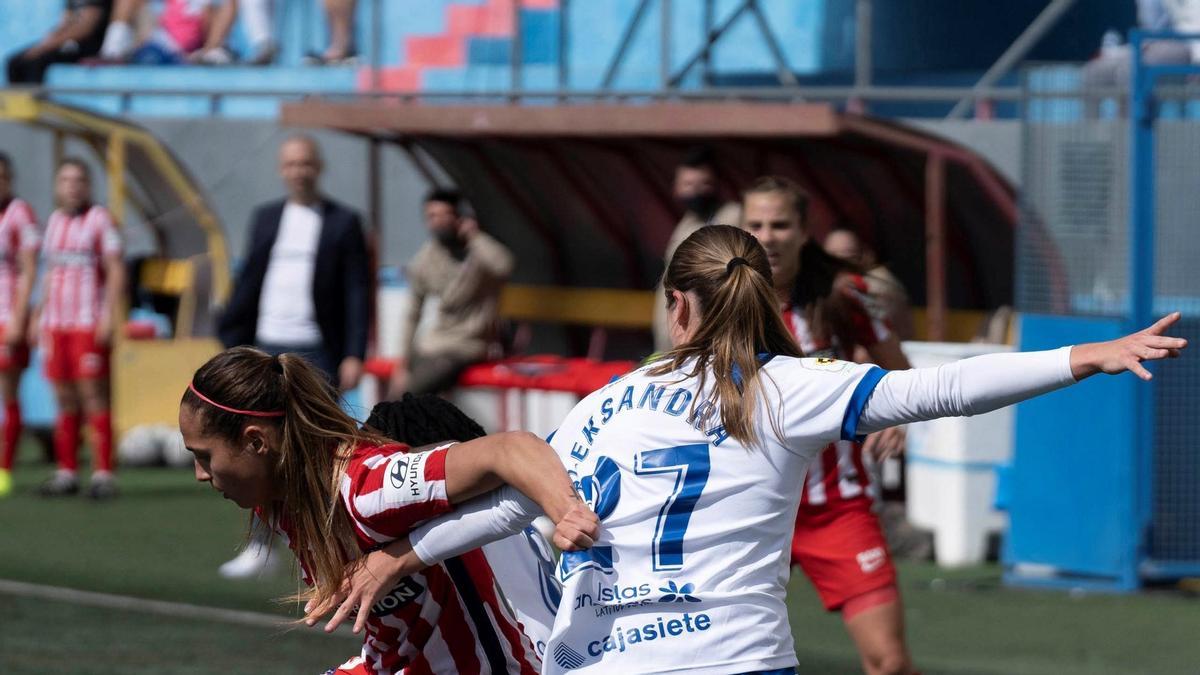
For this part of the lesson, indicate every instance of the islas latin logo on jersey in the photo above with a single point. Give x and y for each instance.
(609, 599)
(402, 594)
(628, 637)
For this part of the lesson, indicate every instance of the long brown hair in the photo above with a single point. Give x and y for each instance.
(317, 439)
(815, 291)
(727, 270)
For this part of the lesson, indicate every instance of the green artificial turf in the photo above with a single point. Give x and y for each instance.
(164, 537)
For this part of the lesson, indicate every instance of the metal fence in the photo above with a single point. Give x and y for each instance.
(1109, 229)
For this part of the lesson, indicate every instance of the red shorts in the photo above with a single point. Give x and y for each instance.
(13, 357)
(74, 355)
(841, 548)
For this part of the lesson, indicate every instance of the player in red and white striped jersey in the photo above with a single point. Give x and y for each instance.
(838, 540)
(18, 266)
(268, 433)
(83, 281)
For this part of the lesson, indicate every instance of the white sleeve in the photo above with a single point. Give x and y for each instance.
(482, 520)
(820, 400)
(969, 387)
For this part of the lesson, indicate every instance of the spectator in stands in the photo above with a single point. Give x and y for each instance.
(256, 22)
(303, 289)
(882, 286)
(78, 315)
(697, 192)
(76, 37)
(465, 269)
(1112, 66)
(186, 31)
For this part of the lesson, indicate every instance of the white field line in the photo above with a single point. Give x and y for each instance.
(159, 607)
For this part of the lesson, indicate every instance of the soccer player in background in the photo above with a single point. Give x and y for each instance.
(267, 432)
(694, 464)
(81, 292)
(838, 540)
(18, 267)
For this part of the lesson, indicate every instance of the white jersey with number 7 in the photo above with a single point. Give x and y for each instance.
(688, 573)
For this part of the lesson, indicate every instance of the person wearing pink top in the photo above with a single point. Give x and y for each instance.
(186, 31)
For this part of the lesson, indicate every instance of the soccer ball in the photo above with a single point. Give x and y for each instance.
(141, 446)
(173, 451)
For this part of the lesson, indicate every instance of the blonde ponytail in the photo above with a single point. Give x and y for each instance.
(727, 270)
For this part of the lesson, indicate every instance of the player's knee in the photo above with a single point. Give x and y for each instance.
(890, 660)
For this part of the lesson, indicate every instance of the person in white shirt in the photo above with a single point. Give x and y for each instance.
(693, 464)
(304, 289)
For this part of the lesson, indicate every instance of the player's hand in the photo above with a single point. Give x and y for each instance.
(1128, 353)
(398, 383)
(104, 332)
(349, 373)
(885, 444)
(468, 227)
(15, 334)
(367, 582)
(578, 529)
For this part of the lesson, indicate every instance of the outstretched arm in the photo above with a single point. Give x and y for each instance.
(485, 519)
(516, 458)
(985, 383)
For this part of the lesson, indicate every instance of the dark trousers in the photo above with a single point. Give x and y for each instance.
(315, 355)
(435, 374)
(24, 69)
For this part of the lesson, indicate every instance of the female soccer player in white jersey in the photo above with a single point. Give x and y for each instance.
(18, 266)
(693, 464)
(267, 433)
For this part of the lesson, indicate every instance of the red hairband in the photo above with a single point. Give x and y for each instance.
(251, 413)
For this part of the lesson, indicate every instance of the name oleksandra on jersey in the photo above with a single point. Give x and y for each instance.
(690, 568)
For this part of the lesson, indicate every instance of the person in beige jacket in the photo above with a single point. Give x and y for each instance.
(696, 190)
(465, 269)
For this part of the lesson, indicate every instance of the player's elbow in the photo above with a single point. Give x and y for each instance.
(518, 451)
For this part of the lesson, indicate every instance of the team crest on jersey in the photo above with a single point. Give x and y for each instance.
(825, 364)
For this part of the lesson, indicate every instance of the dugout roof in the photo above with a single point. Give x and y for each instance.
(586, 189)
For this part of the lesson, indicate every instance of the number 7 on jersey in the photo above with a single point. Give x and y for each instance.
(690, 465)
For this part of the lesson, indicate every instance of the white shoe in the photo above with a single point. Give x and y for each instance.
(217, 56)
(118, 42)
(254, 560)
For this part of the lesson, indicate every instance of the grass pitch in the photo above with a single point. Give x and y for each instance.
(164, 537)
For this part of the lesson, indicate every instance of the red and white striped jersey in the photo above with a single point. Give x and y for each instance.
(74, 249)
(450, 618)
(839, 473)
(18, 233)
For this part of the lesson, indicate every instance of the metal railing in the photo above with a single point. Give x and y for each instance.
(854, 97)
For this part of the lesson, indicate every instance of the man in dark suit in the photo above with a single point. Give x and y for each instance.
(308, 242)
(303, 289)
